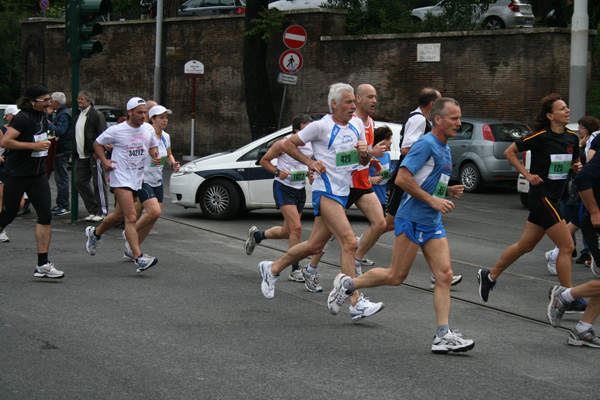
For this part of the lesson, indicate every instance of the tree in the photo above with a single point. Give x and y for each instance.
(259, 24)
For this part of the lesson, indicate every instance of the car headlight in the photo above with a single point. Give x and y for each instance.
(188, 169)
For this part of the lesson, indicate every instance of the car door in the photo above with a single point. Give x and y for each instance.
(460, 145)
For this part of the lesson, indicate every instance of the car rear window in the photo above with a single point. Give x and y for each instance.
(507, 132)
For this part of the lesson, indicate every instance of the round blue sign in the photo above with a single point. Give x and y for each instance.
(44, 4)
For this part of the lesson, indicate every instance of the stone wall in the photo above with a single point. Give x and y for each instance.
(500, 74)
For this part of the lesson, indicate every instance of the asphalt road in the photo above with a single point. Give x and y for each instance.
(196, 326)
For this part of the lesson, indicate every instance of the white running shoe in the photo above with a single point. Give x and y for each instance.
(144, 262)
(594, 268)
(128, 255)
(551, 263)
(296, 276)
(366, 262)
(268, 280)
(92, 241)
(456, 279)
(3, 237)
(311, 281)
(364, 308)
(452, 341)
(48, 271)
(250, 242)
(338, 295)
(89, 217)
(127, 246)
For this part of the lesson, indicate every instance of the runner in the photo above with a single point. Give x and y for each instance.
(554, 151)
(424, 176)
(338, 142)
(132, 141)
(289, 193)
(151, 194)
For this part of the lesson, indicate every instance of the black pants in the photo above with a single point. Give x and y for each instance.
(590, 234)
(38, 191)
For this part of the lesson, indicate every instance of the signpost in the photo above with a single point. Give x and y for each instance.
(193, 69)
(290, 62)
(44, 4)
(294, 37)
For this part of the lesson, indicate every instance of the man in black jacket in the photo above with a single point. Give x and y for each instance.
(89, 124)
(25, 172)
(60, 127)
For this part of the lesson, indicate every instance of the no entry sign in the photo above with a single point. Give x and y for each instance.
(294, 37)
(290, 61)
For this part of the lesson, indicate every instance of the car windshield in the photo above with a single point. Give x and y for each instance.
(508, 132)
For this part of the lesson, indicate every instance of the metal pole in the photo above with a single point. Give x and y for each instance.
(193, 117)
(157, 51)
(579, 53)
(282, 104)
(75, 60)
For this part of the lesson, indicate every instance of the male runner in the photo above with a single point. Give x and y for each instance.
(132, 141)
(338, 142)
(424, 176)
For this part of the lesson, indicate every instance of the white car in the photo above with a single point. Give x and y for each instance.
(285, 5)
(224, 184)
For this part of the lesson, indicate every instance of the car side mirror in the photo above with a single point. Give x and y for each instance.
(260, 155)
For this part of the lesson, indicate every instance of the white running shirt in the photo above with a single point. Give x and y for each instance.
(153, 174)
(130, 149)
(287, 163)
(334, 145)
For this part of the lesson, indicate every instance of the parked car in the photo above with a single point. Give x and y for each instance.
(285, 5)
(205, 8)
(111, 114)
(2, 108)
(478, 151)
(225, 183)
(499, 15)
(522, 183)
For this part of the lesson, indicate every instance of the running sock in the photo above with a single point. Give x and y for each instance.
(442, 330)
(567, 296)
(349, 285)
(357, 262)
(295, 267)
(311, 269)
(42, 259)
(583, 327)
(259, 236)
(97, 236)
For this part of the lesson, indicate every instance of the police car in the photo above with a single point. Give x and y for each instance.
(227, 183)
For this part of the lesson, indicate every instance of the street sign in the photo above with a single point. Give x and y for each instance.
(294, 37)
(193, 69)
(44, 4)
(287, 79)
(290, 61)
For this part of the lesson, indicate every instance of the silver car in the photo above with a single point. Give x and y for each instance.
(206, 8)
(478, 151)
(499, 15)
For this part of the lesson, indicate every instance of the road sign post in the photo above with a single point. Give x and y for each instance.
(193, 69)
(290, 62)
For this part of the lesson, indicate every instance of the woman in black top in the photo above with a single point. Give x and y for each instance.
(554, 151)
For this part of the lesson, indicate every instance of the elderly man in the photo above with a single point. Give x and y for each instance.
(339, 147)
(60, 127)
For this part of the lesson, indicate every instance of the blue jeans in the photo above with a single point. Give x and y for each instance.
(61, 177)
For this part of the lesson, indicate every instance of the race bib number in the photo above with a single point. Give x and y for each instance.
(559, 166)
(136, 154)
(297, 176)
(346, 158)
(42, 137)
(442, 187)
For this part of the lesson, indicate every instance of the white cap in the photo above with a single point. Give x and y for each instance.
(134, 102)
(157, 110)
(12, 110)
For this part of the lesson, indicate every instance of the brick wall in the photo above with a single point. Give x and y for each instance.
(492, 74)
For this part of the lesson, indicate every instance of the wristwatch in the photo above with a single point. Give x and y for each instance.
(277, 173)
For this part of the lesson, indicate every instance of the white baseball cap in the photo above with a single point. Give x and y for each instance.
(12, 110)
(134, 102)
(157, 110)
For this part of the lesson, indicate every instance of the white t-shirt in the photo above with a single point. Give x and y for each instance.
(287, 163)
(153, 174)
(130, 149)
(335, 146)
(414, 129)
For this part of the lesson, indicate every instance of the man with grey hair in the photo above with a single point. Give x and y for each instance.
(339, 146)
(60, 128)
(89, 124)
(424, 175)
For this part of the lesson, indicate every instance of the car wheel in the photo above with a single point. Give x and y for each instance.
(470, 177)
(493, 23)
(524, 197)
(219, 199)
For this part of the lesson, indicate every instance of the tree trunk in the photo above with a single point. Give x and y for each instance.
(170, 8)
(259, 103)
